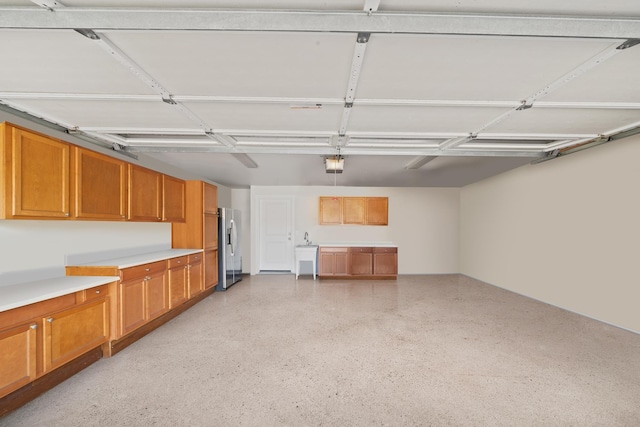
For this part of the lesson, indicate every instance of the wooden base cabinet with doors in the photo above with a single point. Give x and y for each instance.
(200, 229)
(358, 262)
(39, 338)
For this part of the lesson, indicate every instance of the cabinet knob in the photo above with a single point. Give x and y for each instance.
(50, 319)
(146, 269)
(123, 216)
(147, 278)
(97, 292)
(66, 214)
(34, 326)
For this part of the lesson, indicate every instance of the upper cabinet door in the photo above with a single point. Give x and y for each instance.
(210, 199)
(145, 194)
(174, 199)
(99, 186)
(353, 210)
(330, 210)
(36, 175)
(377, 211)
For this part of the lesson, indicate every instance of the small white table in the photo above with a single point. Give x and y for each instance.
(306, 253)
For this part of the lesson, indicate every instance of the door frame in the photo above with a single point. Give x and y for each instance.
(255, 227)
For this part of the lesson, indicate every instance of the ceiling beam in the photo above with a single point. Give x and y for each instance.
(103, 19)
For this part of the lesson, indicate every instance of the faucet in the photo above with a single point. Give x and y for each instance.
(306, 238)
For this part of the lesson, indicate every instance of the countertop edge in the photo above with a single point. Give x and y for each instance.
(135, 260)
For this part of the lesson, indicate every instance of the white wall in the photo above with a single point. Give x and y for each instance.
(423, 222)
(565, 232)
(29, 245)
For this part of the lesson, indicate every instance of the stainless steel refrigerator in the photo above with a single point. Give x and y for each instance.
(230, 248)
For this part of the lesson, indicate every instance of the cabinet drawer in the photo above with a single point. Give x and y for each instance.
(385, 250)
(96, 292)
(142, 270)
(178, 262)
(361, 250)
(195, 258)
(328, 249)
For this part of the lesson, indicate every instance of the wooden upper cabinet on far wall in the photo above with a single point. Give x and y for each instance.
(210, 198)
(174, 199)
(35, 176)
(330, 210)
(145, 194)
(99, 186)
(377, 210)
(353, 210)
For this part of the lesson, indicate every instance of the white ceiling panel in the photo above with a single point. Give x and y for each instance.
(269, 117)
(614, 80)
(545, 7)
(61, 61)
(16, 3)
(472, 68)
(410, 119)
(224, 4)
(305, 65)
(118, 114)
(565, 121)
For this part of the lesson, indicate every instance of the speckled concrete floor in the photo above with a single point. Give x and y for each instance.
(422, 350)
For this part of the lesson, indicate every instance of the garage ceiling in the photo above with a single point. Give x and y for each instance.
(411, 93)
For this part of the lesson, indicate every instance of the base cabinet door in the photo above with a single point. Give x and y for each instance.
(333, 262)
(177, 276)
(132, 306)
(210, 265)
(361, 261)
(156, 295)
(73, 332)
(385, 261)
(195, 275)
(17, 357)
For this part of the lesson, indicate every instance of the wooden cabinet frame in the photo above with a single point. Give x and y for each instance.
(353, 210)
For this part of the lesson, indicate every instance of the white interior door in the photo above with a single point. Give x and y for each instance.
(276, 234)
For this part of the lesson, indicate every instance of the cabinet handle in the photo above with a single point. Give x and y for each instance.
(147, 278)
(179, 262)
(97, 292)
(50, 319)
(123, 216)
(34, 326)
(66, 214)
(146, 269)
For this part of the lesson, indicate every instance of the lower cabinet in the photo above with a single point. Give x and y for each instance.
(358, 262)
(38, 338)
(195, 275)
(73, 332)
(18, 355)
(210, 264)
(144, 295)
(333, 261)
(178, 277)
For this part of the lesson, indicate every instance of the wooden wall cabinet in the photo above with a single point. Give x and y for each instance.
(330, 210)
(99, 186)
(174, 199)
(145, 194)
(35, 175)
(200, 229)
(354, 210)
(333, 261)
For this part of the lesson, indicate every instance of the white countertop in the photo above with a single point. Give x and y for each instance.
(38, 288)
(13, 296)
(359, 244)
(139, 259)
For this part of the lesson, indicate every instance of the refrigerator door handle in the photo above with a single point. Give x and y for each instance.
(233, 237)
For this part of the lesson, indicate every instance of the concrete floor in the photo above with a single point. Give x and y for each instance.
(422, 350)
